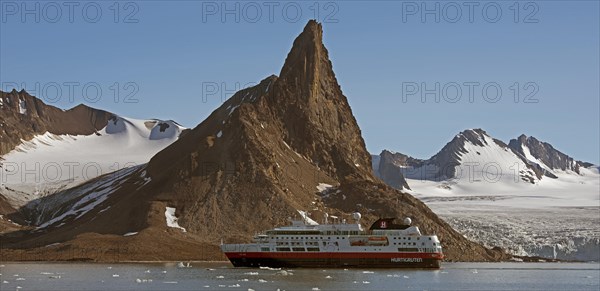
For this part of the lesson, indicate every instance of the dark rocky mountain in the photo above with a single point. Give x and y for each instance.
(22, 116)
(389, 168)
(254, 162)
(547, 157)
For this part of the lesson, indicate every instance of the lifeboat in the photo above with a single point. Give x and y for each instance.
(378, 240)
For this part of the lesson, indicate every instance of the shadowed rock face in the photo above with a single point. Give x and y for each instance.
(389, 168)
(22, 116)
(258, 158)
(547, 154)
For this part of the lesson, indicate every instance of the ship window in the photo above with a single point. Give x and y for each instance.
(429, 238)
(418, 238)
(414, 244)
(409, 238)
(422, 244)
(298, 249)
(434, 244)
(264, 249)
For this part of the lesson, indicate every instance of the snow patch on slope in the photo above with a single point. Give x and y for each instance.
(172, 219)
(86, 199)
(307, 219)
(22, 107)
(322, 187)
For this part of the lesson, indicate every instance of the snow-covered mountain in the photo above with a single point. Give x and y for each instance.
(49, 162)
(472, 156)
(525, 196)
(46, 150)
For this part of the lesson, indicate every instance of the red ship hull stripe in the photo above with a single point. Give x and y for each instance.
(328, 255)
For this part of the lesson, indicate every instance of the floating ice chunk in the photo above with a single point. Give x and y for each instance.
(368, 272)
(269, 268)
(115, 275)
(262, 281)
(366, 282)
(220, 277)
(327, 277)
(316, 289)
(251, 273)
(130, 233)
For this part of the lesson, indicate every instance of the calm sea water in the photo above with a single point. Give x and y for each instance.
(221, 276)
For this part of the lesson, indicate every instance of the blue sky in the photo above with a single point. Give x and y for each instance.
(379, 50)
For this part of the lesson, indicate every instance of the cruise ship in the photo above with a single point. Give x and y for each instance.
(306, 243)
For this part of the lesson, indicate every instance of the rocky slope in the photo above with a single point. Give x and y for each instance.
(22, 116)
(544, 156)
(266, 153)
